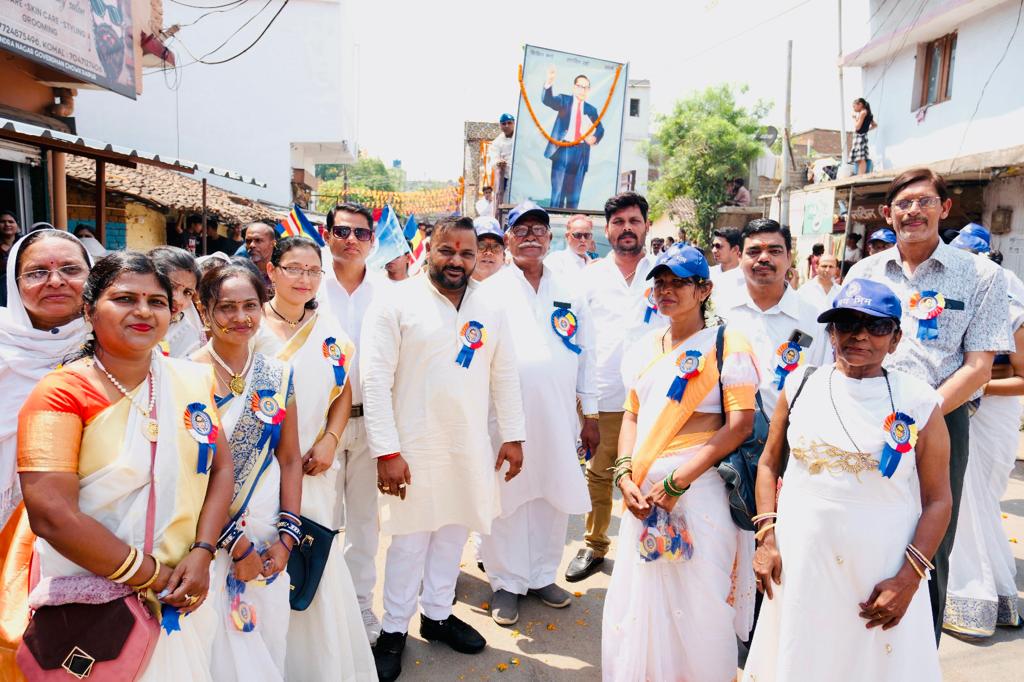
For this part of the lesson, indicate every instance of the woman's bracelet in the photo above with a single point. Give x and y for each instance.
(337, 438)
(247, 552)
(128, 561)
(136, 565)
(204, 545)
(758, 518)
(670, 487)
(152, 579)
(911, 559)
(281, 537)
(919, 555)
(764, 531)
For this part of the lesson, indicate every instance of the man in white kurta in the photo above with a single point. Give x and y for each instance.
(553, 336)
(436, 351)
(579, 231)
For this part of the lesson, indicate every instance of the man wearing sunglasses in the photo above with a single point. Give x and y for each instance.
(573, 258)
(347, 289)
(553, 335)
(490, 247)
(955, 320)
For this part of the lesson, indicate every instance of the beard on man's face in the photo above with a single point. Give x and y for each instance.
(621, 247)
(447, 278)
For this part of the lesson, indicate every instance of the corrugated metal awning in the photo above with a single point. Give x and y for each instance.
(49, 138)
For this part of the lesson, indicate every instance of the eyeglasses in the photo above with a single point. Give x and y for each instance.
(581, 235)
(674, 283)
(99, 8)
(67, 273)
(537, 230)
(363, 234)
(485, 247)
(876, 326)
(924, 203)
(313, 273)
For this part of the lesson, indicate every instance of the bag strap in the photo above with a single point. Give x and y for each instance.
(147, 546)
(720, 353)
(800, 388)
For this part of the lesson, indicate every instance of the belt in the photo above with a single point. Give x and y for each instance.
(357, 411)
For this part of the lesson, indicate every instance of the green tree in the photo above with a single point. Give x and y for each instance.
(707, 139)
(365, 173)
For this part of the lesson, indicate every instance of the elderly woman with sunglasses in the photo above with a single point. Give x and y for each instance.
(844, 554)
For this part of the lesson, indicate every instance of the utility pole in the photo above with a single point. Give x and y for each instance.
(842, 92)
(787, 156)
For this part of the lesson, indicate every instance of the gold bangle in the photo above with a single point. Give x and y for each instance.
(919, 555)
(592, 416)
(913, 564)
(337, 438)
(152, 578)
(128, 560)
(757, 518)
(764, 531)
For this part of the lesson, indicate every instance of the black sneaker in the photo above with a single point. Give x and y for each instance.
(456, 633)
(387, 655)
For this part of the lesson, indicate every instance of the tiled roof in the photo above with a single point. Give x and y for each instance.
(171, 190)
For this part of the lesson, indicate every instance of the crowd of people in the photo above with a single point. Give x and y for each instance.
(183, 438)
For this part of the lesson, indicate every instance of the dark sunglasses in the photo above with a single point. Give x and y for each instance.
(581, 235)
(876, 326)
(363, 234)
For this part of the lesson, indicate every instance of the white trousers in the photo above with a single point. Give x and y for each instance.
(429, 560)
(524, 548)
(357, 509)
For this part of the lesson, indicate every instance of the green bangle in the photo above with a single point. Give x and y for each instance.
(670, 488)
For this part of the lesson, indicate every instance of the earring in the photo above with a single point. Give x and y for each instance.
(248, 322)
(89, 335)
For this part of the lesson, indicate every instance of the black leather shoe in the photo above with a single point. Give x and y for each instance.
(583, 565)
(457, 634)
(387, 655)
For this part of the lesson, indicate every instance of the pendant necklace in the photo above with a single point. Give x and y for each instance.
(150, 429)
(236, 383)
(291, 324)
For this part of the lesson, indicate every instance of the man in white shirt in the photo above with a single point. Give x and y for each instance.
(822, 290)
(553, 334)
(501, 152)
(437, 351)
(773, 317)
(490, 247)
(573, 258)
(485, 204)
(347, 290)
(726, 274)
(622, 306)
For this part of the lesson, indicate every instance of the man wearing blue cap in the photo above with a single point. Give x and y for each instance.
(553, 335)
(880, 240)
(501, 153)
(955, 319)
(490, 247)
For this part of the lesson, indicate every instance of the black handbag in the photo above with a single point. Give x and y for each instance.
(307, 562)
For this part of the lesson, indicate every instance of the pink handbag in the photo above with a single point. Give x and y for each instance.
(90, 627)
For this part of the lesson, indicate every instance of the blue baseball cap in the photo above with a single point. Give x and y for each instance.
(682, 261)
(865, 296)
(883, 235)
(506, 118)
(488, 226)
(977, 230)
(970, 242)
(524, 209)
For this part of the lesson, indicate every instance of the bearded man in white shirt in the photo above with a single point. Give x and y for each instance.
(553, 334)
(437, 352)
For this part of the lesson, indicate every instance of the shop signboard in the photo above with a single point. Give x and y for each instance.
(818, 212)
(90, 40)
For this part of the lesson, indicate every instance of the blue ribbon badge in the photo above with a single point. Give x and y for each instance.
(472, 336)
(268, 407)
(688, 366)
(787, 358)
(335, 356)
(926, 307)
(652, 307)
(565, 324)
(200, 425)
(900, 437)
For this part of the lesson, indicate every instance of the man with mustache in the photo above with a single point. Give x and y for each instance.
(259, 245)
(436, 352)
(616, 292)
(767, 311)
(955, 320)
(552, 330)
(490, 245)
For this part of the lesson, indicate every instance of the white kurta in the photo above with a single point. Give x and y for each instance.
(814, 293)
(421, 402)
(565, 262)
(727, 283)
(551, 377)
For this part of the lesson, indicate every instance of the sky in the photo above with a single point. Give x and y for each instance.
(453, 61)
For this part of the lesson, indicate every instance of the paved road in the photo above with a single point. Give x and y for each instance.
(550, 644)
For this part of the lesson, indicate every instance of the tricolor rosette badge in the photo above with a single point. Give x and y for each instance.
(926, 307)
(688, 366)
(268, 406)
(336, 357)
(900, 437)
(201, 426)
(164, 348)
(473, 336)
(243, 614)
(788, 357)
(565, 324)
(652, 307)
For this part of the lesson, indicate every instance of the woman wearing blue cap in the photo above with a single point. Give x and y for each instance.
(844, 557)
(682, 588)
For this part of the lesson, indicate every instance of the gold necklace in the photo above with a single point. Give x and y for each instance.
(150, 429)
(291, 324)
(237, 381)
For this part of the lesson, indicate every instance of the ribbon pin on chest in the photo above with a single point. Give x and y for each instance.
(926, 307)
(688, 366)
(335, 356)
(200, 425)
(900, 437)
(652, 307)
(565, 324)
(473, 336)
(787, 358)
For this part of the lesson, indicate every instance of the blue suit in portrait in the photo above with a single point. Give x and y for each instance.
(568, 164)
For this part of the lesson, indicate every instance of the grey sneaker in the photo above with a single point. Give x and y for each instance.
(372, 625)
(553, 595)
(505, 607)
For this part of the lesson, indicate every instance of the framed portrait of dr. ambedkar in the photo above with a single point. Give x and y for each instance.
(568, 131)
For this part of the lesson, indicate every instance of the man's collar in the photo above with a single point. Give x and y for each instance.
(944, 254)
(789, 304)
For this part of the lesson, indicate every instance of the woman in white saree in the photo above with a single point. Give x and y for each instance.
(864, 503)
(257, 407)
(326, 641)
(682, 589)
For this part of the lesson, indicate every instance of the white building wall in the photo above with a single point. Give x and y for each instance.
(295, 85)
(636, 134)
(946, 130)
